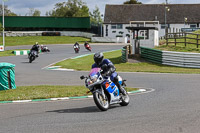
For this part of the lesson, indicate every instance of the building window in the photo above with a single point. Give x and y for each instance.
(106, 30)
(113, 26)
(116, 26)
(193, 26)
(113, 31)
(119, 26)
(163, 26)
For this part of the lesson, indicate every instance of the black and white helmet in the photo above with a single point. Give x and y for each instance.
(98, 58)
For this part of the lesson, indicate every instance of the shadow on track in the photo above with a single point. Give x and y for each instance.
(91, 109)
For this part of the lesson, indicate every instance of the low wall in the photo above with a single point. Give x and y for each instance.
(39, 33)
(180, 59)
(109, 40)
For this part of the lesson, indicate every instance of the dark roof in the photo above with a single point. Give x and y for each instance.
(148, 12)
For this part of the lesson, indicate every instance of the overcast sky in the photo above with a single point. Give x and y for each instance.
(21, 7)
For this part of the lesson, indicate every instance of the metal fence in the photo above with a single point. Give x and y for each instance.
(180, 59)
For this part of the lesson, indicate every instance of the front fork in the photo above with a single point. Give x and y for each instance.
(101, 92)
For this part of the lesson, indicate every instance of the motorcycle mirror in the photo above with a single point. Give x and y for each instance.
(82, 77)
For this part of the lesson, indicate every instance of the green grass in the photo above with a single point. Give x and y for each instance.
(9, 52)
(84, 63)
(30, 40)
(6, 53)
(44, 92)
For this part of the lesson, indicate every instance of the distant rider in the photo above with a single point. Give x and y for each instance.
(107, 66)
(76, 45)
(35, 48)
(85, 44)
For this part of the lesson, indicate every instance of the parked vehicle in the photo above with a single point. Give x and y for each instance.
(105, 92)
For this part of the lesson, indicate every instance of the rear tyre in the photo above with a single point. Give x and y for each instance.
(102, 104)
(125, 99)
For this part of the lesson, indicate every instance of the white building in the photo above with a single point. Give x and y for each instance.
(175, 16)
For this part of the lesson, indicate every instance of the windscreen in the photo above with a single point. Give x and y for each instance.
(94, 71)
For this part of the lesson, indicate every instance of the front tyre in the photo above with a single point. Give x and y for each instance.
(102, 104)
(31, 58)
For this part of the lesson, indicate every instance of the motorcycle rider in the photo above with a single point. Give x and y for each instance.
(107, 66)
(85, 44)
(76, 45)
(35, 49)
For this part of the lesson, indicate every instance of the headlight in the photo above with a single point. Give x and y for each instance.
(92, 79)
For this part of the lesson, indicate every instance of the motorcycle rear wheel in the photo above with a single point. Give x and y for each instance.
(125, 100)
(102, 104)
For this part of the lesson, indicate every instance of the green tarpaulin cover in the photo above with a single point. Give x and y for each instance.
(7, 76)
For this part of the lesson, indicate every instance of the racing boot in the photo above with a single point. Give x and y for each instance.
(121, 90)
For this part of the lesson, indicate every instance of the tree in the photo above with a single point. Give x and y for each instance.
(36, 13)
(95, 16)
(33, 12)
(72, 8)
(7, 12)
(132, 2)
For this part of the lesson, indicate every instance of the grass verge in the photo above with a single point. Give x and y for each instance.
(30, 40)
(9, 52)
(44, 92)
(84, 63)
(6, 53)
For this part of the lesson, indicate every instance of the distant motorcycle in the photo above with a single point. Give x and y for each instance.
(87, 46)
(44, 49)
(32, 55)
(76, 48)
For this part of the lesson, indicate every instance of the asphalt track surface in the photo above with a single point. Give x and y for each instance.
(173, 107)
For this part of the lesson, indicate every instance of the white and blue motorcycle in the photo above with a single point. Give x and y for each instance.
(105, 92)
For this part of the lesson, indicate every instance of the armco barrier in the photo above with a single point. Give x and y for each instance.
(180, 59)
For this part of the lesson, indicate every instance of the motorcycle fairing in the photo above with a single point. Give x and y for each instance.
(111, 88)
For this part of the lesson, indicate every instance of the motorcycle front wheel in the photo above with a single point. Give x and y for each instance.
(102, 104)
(31, 58)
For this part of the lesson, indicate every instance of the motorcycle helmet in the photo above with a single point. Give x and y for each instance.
(98, 58)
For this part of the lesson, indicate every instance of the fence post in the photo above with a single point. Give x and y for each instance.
(185, 38)
(197, 41)
(166, 36)
(175, 38)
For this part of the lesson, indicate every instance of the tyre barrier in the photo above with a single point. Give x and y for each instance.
(179, 59)
(21, 52)
(50, 33)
